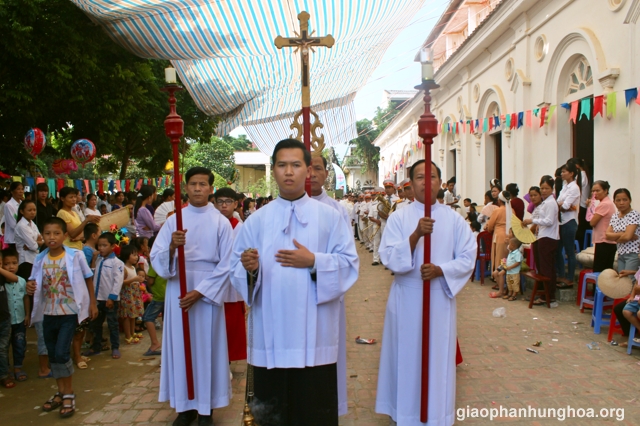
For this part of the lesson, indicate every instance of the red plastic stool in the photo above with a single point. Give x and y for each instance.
(614, 325)
(582, 287)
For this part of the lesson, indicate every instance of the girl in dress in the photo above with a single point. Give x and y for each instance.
(130, 301)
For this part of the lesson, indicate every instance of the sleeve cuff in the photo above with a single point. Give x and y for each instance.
(312, 270)
(113, 297)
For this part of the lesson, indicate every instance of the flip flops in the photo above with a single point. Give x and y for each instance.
(8, 383)
(115, 354)
(495, 294)
(21, 376)
(149, 352)
(48, 376)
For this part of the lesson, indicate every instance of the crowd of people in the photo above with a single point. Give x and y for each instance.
(65, 275)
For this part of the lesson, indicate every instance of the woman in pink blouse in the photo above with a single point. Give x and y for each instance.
(605, 250)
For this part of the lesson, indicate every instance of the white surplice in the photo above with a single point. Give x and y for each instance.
(207, 253)
(453, 249)
(342, 342)
(296, 319)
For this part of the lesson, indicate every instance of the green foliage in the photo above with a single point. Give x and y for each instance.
(261, 187)
(364, 152)
(216, 155)
(57, 67)
(219, 181)
(241, 143)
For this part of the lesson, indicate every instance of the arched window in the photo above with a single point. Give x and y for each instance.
(580, 78)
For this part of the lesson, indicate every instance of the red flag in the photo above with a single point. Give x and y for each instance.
(543, 113)
(86, 186)
(60, 184)
(514, 120)
(490, 123)
(471, 127)
(574, 112)
(598, 106)
(100, 186)
(528, 118)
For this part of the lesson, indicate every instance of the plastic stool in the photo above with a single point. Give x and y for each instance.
(614, 324)
(597, 315)
(588, 235)
(582, 290)
(631, 343)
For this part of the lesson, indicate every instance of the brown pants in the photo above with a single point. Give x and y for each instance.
(513, 283)
(544, 252)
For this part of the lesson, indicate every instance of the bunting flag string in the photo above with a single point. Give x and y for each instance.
(92, 185)
(604, 105)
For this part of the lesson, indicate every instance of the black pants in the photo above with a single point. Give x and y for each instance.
(296, 396)
(624, 323)
(356, 231)
(583, 226)
(604, 256)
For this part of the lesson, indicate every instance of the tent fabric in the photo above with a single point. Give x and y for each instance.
(224, 54)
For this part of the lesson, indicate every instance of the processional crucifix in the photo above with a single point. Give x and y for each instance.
(304, 42)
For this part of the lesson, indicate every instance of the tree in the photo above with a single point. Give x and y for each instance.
(261, 189)
(365, 152)
(217, 155)
(57, 67)
(241, 143)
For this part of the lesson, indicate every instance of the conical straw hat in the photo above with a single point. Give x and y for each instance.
(613, 285)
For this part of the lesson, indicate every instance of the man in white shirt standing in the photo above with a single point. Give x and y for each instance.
(302, 259)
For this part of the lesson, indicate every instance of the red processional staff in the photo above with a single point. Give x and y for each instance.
(174, 129)
(427, 130)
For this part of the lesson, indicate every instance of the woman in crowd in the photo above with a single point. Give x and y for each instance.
(490, 204)
(498, 225)
(44, 205)
(624, 230)
(75, 226)
(16, 189)
(145, 225)
(118, 201)
(517, 204)
(248, 207)
(605, 250)
(569, 204)
(28, 238)
(582, 180)
(92, 204)
(546, 227)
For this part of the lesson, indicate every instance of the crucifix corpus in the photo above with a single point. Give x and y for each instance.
(305, 42)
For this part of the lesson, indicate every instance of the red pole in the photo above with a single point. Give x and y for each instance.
(427, 130)
(174, 129)
(306, 130)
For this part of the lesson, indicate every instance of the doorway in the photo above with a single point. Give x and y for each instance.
(582, 139)
(452, 163)
(497, 141)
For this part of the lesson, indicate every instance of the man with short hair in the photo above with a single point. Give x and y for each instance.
(300, 256)
(452, 261)
(449, 196)
(207, 243)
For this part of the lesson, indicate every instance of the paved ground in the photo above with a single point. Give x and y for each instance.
(497, 369)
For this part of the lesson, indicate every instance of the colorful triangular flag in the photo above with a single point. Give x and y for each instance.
(598, 105)
(612, 99)
(574, 112)
(585, 108)
(630, 94)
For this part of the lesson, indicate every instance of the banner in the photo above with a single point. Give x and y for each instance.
(341, 181)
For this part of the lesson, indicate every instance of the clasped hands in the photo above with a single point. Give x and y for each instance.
(428, 271)
(299, 258)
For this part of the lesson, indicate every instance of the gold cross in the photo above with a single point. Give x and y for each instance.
(304, 43)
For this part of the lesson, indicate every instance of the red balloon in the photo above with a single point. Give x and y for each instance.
(34, 141)
(64, 167)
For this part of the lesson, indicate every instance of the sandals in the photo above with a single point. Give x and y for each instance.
(512, 298)
(115, 354)
(138, 335)
(21, 376)
(8, 383)
(495, 294)
(506, 297)
(71, 408)
(82, 365)
(495, 287)
(53, 402)
(132, 340)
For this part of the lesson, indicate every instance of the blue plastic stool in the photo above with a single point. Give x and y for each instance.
(597, 315)
(582, 290)
(588, 235)
(631, 343)
(487, 271)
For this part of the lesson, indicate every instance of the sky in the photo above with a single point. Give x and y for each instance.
(397, 70)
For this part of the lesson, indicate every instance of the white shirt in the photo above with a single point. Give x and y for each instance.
(569, 196)
(296, 318)
(325, 199)
(10, 216)
(26, 235)
(91, 212)
(545, 216)
(586, 190)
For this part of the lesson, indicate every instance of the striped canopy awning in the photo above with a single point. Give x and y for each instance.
(224, 53)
